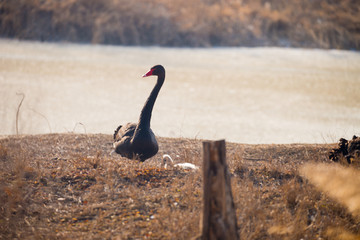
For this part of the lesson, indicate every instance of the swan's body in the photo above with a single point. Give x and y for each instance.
(137, 140)
(167, 159)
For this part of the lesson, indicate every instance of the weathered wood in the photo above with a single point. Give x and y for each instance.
(219, 216)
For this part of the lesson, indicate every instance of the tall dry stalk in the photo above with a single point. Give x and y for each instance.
(18, 111)
(42, 115)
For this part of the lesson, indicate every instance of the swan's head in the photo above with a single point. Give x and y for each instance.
(155, 70)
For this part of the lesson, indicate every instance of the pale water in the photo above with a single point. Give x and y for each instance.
(247, 95)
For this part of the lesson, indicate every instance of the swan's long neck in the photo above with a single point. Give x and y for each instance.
(145, 116)
(164, 163)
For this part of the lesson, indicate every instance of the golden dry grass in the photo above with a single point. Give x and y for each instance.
(341, 183)
(61, 186)
(321, 24)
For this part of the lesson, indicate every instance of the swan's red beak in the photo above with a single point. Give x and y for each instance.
(149, 73)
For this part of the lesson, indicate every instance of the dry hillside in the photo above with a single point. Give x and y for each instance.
(63, 186)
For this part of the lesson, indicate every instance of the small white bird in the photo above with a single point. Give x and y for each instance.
(168, 160)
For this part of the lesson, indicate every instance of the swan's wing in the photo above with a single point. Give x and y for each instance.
(122, 131)
(123, 148)
(122, 138)
(186, 166)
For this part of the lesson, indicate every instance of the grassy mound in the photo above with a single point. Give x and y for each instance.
(68, 186)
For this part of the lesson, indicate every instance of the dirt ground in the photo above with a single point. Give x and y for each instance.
(62, 186)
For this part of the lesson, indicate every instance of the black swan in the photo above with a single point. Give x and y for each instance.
(137, 141)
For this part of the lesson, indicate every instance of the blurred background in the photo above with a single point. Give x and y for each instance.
(251, 71)
(197, 23)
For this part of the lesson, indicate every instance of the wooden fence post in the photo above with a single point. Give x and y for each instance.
(219, 216)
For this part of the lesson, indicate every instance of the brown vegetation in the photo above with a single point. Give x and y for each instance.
(320, 23)
(339, 182)
(347, 152)
(62, 186)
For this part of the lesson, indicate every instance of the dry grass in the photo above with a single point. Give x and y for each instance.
(339, 182)
(321, 24)
(61, 186)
